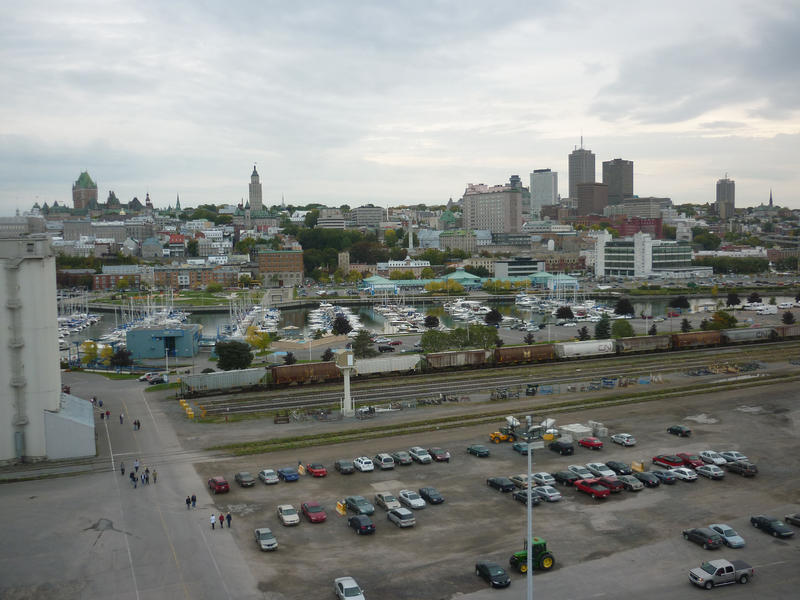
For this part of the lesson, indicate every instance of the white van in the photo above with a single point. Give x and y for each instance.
(768, 309)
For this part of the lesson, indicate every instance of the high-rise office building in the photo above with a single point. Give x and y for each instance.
(581, 169)
(592, 198)
(618, 175)
(255, 192)
(497, 208)
(544, 191)
(726, 198)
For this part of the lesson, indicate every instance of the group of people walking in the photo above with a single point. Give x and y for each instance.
(136, 477)
(221, 520)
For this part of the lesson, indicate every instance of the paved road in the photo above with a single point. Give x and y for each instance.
(94, 536)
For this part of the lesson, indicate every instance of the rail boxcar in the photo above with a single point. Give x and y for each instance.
(581, 349)
(696, 339)
(744, 336)
(648, 343)
(305, 373)
(403, 363)
(459, 359)
(787, 332)
(524, 354)
(224, 382)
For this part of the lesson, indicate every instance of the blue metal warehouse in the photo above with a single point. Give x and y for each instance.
(154, 342)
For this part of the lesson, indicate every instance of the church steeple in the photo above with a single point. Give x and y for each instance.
(770, 197)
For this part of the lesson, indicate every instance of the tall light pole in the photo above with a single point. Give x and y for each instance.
(529, 539)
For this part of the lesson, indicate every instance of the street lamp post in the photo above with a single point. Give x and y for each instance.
(529, 539)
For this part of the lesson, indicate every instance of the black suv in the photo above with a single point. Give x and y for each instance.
(562, 447)
(345, 467)
(361, 524)
(703, 536)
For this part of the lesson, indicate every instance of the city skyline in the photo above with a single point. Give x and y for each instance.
(358, 102)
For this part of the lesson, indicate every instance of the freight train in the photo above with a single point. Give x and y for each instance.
(325, 372)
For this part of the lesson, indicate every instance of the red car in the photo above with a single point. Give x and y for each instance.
(316, 470)
(690, 460)
(395, 343)
(668, 461)
(439, 455)
(313, 512)
(218, 485)
(613, 484)
(591, 442)
(592, 487)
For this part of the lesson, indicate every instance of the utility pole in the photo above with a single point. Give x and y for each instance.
(529, 539)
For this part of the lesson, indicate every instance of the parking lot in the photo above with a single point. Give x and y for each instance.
(435, 558)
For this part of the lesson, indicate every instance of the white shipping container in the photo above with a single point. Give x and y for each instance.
(590, 348)
(400, 363)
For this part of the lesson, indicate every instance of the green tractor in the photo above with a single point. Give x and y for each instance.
(542, 559)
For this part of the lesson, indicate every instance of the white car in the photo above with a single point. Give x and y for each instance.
(420, 455)
(268, 476)
(543, 478)
(411, 499)
(288, 515)
(520, 480)
(363, 464)
(346, 588)
(147, 376)
(580, 471)
(387, 500)
(728, 534)
(547, 493)
(712, 458)
(684, 473)
(710, 471)
(733, 455)
(601, 470)
(623, 439)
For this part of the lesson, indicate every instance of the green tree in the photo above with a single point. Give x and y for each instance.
(679, 302)
(564, 312)
(621, 328)
(390, 238)
(214, 288)
(722, 320)
(123, 283)
(772, 301)
(289, 358)
(788, 318)
(310, 220)
(245, 281)
(733, 299)
(493, 317)
(341, 326)
(583, 334)
(396, 275)
(233, 355)
(686, 327)
(435, 341)
(319, 334)
(483, 336)
(529, 338)
(106, 354)
(623, 307)
(705, 325)
(89, 350)
(653, 330)
(191, 247)
(431, 321)
(754, 298)
(669, 232)
(122, 358)
(602, 330)
(427, 273)
(260, 340)
(354, 277)
(478, 271)
(327, 356)
(362, 345)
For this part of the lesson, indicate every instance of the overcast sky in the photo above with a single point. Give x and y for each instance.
(345, 102)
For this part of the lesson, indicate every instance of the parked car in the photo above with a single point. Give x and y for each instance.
(358, 505)
(613, 484)
(363, 464)
(733, 455)
(631, 483)
(522, 496)
(771, 525)
(580, 471)
(268, 476)
(493, 574)
(591, 442)
(710, 471)
(316, 470)
(244, 479)
(565, 477)
(411, 499)
(439, 454)
(344, 466)
(520, 480)
(386, 348)
(712, 458)
(265, 539)
(690, 460)
(543, 478)
(521, 447)
(794, 519)
(665, 476)
(156, 379)
(403, 458)
(704, 537)
(592, 487)
(668, 461)
(561, 447)
(684, 474)
(313, 512)
(288, 474)
(288, 514)
(679, 430)
(742, 467)
(504, 484)
(384, 461)
(547, 493)
(218, 485)
(600, 470)
(648, 479)
(431, 495)
(395, 343)
(620, 468)
(728, 534)
(402, 517)
(420, 455)
(346, 588)
(361, 524)
(623, 439)
(386, 500)
(478, 450)
(148, 376)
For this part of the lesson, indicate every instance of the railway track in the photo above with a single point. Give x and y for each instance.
(484, 381)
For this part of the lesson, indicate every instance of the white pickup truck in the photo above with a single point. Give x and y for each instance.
(721, 572)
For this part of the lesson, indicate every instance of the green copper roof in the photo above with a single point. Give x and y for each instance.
(85, 182)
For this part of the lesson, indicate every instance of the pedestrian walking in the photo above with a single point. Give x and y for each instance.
(155, 476)
(133, 479)
(102, 415)
(221, 521)
(108, 412)
(147, 472)
(147, 478)
(213, 520)
(228, 519)
(136, 465)
(194, 501)
(188, 502)
(101, 402)
(120, 418)
(142, 478)
(122, 469)
(138, 425)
